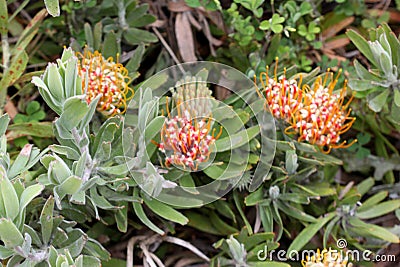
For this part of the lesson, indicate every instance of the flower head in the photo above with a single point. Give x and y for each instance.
(193, 95)
(316, 115)
(186, 138)
(327, 258)
(106, 77)
(186, 141)
(323, 117)
(283, 96)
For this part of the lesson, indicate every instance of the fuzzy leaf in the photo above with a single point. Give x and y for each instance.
(46, 220)
(397, 97)
(136, 36)
(55, 82)
(29, 194)
(9, 196)
(378, 101)
(74, 110)
(53, 7)
(68, 187)
(134, 63)
(9, 234)
(362, 45)
(4, 121)
(110, 45)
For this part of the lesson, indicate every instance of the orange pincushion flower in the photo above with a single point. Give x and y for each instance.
(316, 115)
(323, 117)
(104, 76)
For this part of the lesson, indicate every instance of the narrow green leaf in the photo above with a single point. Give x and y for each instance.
(21, 161)
(364, 74)
(397, 97)
(201, 223)
(361, 85)
(165, 211)
(110, 45)
(55, 82)
(84, 260)
(372, 201)
(224, 208)
(273, 48)
(3, 17)
(121, 217)
(97, 34)
(295, 213)
(75, 243)
(5, 252)
(239, 208)
(305, 236)
(70, 153)
(187, 183)
(374, 230)
(380, 209)
(4, 120)
(89, 35)
(138, 208)
(38, 129)
(100, 201)
(153, 128)
(46, 220)
(142, 21)
(72, 81)
(15, 70)
(254, 197)
(236, 140)
(89, 114)
(138, 11)
(52, 102)
(134, 63)
(136, 36)
(221, 226)
(96, 249)
(58, 170)
(30, 31)
(365, 186)
(9, 195)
